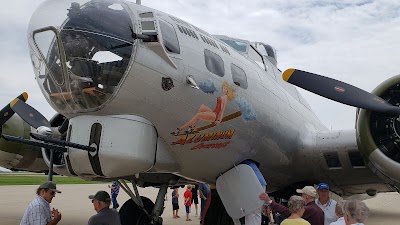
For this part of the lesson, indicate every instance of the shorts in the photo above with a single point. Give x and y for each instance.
(175, 206)
(195, 199)
(187, 207)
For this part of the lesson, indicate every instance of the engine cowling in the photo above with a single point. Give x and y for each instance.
(378, 134)
(16, 156)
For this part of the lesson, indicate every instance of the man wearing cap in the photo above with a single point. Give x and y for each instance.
(313, 214)
(38, 211)
(105, 216)
(327, 204)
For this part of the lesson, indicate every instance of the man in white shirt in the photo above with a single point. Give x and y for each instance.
(339, 213)
(38, 211)
(327, 204)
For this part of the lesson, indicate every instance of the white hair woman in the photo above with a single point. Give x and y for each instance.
(296, 208)
(355, 212)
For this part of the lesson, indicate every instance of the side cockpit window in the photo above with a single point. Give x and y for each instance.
(214, 63)
(170, 39)
(254, 55)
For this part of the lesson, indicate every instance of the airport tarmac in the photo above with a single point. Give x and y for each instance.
(76, 208)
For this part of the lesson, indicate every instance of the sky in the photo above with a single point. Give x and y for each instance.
(355, 41)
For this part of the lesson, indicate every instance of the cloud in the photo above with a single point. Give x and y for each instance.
(248, 112)
(207, 87)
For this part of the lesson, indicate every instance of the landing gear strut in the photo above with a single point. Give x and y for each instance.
(140, 210)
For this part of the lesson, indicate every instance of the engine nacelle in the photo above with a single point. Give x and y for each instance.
(378, 134)
(126, 145)
(16, 156)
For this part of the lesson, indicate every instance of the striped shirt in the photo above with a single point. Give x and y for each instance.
(37, 213)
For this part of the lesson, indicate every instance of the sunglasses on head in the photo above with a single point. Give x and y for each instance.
(52, 192)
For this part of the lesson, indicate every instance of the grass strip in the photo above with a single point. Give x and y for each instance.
(38, 179)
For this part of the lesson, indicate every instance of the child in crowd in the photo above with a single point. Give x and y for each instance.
(175, 203)
(188, 200)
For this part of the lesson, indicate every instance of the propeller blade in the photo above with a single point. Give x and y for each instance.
(29, 114)
(338, 91)
(6, 113)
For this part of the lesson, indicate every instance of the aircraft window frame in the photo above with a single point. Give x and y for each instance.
(55, 75)
(237, 47)
(214, 63)
(356, 159)
(332, 160)
(239, 76)
(168, 31)
(255, 55)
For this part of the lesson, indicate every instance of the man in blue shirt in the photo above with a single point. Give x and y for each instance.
(114, 194)
(38, 211)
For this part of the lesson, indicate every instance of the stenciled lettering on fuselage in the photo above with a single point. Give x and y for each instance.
(201, 140)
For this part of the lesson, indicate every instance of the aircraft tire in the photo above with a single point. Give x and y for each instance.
(215, 212)
(131, 214)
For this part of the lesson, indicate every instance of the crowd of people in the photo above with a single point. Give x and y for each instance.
(313, 206)
(191, 197)
(39, 211)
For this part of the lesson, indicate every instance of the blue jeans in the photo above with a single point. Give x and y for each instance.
(114, 200)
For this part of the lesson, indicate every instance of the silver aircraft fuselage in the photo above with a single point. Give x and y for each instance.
(265, 119)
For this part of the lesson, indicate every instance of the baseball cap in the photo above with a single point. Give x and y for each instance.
(102, 196)
(50, 185)
(322, 186)
(308, 190)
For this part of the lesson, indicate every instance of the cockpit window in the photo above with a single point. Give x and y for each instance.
(80, 63)
(240, 46)
(254, 55)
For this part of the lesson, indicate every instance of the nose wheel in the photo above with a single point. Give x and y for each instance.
(131, 214)
(140, 210)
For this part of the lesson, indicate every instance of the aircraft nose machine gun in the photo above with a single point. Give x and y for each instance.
(50, 143)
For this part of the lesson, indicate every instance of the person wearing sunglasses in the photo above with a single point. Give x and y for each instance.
(101, 203)
(38, 211)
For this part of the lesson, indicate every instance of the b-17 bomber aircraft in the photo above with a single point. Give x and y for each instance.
(146, 97)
